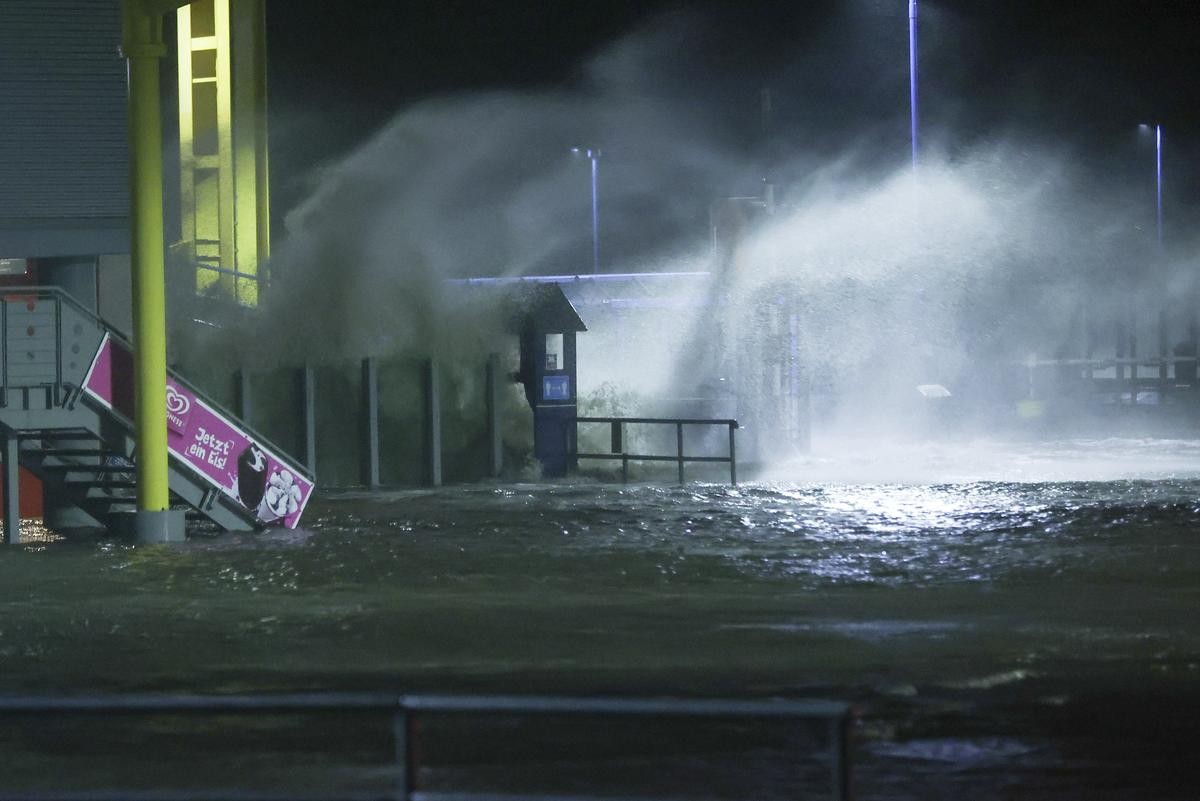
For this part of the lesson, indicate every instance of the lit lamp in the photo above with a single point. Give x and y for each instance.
(912, 75)
(1158, 176)
(593, 155)
(1182, 372)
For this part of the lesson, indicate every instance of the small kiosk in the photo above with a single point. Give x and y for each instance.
(546, 322)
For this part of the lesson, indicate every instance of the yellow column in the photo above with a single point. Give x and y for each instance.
(143, 47)
(223, 146)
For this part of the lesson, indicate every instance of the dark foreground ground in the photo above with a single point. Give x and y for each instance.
(1003, 640)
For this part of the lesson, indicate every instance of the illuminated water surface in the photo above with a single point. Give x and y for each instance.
(1036, 634)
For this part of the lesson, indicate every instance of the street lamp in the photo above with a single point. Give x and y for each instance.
(912, 75)
(593, 155)
(1158, 218)
(1158, 177)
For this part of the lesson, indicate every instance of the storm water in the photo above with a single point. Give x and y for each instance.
(1012, 621)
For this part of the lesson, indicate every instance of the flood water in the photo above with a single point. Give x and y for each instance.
(1016, 622)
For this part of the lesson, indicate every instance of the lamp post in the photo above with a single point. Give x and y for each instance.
(1158, 222)
(1156, 129)
(1158, 183)
(593, 155)
(912, 76)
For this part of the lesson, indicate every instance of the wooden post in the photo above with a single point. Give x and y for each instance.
(732, 455)
(308, 413)
(370, 416)
(495, 440)
(679, 448)
(433, 423)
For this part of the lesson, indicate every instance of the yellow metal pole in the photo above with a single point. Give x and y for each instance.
(143, 46)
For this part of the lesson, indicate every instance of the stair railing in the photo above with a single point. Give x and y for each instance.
(61, 298)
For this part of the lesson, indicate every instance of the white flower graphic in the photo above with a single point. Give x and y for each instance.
(281, 499)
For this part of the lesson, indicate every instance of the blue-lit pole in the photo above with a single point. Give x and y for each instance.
(912, 74)
(1162, 312)
(1158, 220)
(1158, 178)
(594, 155)
(1158, 182)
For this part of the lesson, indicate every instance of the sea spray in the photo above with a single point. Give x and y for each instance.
(1001, 247)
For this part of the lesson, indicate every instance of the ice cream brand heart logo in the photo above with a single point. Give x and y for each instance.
(176, 403)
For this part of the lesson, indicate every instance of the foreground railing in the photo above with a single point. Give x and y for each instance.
(406, 711)
(618, 451)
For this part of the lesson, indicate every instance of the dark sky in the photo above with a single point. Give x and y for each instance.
(1083, 72)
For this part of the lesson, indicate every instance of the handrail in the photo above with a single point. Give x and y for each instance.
(618, 437)
(697, 421)
(62, 296)
(407, 709)
(441, 704)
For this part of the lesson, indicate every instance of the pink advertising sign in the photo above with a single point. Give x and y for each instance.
(230, 459)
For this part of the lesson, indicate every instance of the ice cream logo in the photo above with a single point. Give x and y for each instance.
(178, 406)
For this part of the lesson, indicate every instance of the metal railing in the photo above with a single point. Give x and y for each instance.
(1126, 377)
(618, 443)
(62, 298)
(405, 712)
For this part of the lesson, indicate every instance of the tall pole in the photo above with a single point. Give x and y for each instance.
(1162, 300)
(143, 46)
(594, 155)
(1158, 183)
(912, 75)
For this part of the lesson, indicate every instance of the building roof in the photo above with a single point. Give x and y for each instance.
(540, 306)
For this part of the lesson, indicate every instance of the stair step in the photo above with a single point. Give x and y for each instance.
(100, 483)
(78, 462)
(89, 468)
(65, 433)
(124, 497)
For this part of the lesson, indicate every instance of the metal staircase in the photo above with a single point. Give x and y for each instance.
(83, 451)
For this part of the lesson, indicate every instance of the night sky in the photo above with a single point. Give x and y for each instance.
(1082, 74)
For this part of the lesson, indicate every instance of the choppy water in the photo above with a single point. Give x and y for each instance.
(1027, 636)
